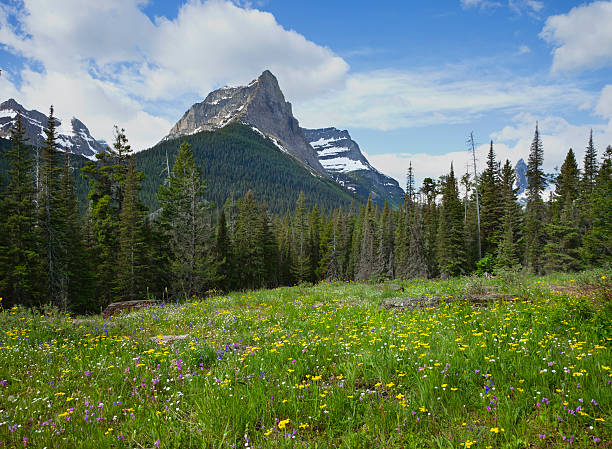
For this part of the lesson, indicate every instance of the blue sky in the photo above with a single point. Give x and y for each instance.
(409, 80)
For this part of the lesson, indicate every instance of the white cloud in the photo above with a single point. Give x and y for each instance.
(582, 38)
(108, 62)
(512, 142)
(386, 100)
(466, 4)
(604, 105)
(524, 49)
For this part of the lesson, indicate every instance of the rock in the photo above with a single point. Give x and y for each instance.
(165, 339)
(262, 105)
(423, 302)
(118, 307)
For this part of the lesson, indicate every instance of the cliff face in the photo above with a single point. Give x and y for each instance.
(262, 105)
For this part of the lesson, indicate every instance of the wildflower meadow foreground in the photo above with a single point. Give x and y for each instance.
(321, 366)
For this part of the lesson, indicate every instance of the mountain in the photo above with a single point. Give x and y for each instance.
(341, 157)
(262, 105)
(75, 138)
(238, 158)
(520, 169)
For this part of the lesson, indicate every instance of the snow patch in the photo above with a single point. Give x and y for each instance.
(322, 141)
(343, 164)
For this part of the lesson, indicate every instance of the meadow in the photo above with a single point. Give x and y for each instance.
(319, 366)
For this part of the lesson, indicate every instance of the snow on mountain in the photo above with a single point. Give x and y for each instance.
(343, 159)
(260, 104)
(74, 138)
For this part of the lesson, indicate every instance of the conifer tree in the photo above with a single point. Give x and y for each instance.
(509, 250)
(535, 211)
(450, 249)
(416, 266)
(21, 268)
(597, 241)
(367, 254)
(301, 266)
(75, 276)
(131, 260)
(490, 207)
(48, 214)
(567, 186)
(401, 244)
(185, 219)
(315, 225)
(430, 225)
(589, 173)
(106, 181)
(385, 250)
(223, 252)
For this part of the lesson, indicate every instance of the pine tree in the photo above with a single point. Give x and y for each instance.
(21, 273)
(185, 219)
(416, 266)
(315, 241)
(490, 208)
(223, 252)
(450, 248)
(430, 225)
(598, 239)
(301, 266)
(535, 211)
(50, 249)
(401, 245)
(567, 186)
(367, 255)
(131, 260)
(106, 180)
(508, 250)
(385, 250)
(75, 276)
(589, 174)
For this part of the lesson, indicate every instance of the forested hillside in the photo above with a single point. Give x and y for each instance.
(234, 160)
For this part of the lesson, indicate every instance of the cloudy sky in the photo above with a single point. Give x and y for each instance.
(409, 80)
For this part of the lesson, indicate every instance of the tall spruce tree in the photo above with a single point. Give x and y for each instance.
(51, 250)
(509, 250)
(589, 173)
(384, 255)
(21, 268)
(75, 278)
(562, 250)
(185, 220)
(131, 259)
(597, 241)
(535, 209)
(430, 225)
(301, 266)
(106, 185)
(366, 267)
(490, 207)
(450, 246)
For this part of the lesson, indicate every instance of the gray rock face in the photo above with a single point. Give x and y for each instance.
(260, 104)
(77, 139)
(341, 157)
(520, 169)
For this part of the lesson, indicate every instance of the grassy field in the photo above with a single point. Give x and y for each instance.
(321, 366)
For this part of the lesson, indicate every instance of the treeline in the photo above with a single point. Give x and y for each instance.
(118, 250)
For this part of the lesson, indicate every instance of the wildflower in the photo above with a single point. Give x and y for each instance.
(468, 444)
(283, 423)
(303, 425)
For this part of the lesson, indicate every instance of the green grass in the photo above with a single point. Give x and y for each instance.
(320, 366)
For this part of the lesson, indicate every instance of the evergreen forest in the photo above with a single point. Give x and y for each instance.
(124, 240)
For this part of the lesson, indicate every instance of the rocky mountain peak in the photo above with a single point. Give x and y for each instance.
(260, 104)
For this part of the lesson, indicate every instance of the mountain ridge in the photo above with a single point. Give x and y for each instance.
(77, 139)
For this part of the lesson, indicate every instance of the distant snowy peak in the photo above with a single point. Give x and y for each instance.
(343, 159)
(74, 138)
(336, 150)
